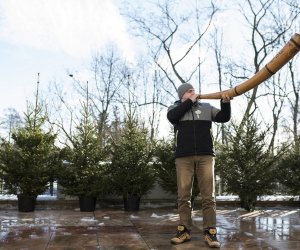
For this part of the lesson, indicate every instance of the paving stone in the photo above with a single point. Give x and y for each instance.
(151, 228)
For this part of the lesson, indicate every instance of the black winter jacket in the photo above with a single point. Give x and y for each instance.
(192, 126)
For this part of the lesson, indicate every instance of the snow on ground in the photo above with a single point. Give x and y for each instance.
(14, 197)
(218, 198)
(262, 198)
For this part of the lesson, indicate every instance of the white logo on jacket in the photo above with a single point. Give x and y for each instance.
(198, 112)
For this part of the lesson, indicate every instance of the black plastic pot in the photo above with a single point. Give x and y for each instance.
(132, 203)
(26, 203)
(87, 203)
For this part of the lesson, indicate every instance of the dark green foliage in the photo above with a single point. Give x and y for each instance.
(166, 169)
(245, 166)
(83, 173)
(288, 172)
(30, 162)
(132, 172)
(165, 165)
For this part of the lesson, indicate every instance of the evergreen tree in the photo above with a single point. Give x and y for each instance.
(165, 165)
(244, 164)
(84, 173)
(166, 169)
(132, 173)
(288, 171)
(30, 162)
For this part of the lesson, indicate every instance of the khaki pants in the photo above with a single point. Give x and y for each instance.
(203, 167)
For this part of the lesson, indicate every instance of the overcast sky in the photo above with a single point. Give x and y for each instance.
(51, 37)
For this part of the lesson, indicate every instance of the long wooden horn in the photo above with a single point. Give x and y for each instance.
(283, 56)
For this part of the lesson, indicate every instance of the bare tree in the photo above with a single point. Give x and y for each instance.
(10, 121)
(105, 81)
(172, 38)
(108, 81)
(278, 98)
(217, 38)
(294, 102)
(267, 25)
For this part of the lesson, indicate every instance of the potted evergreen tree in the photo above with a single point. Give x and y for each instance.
(83, 174)
(27, 164)
(252, 165)
(131, 172)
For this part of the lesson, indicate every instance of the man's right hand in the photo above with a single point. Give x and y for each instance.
(193, 97)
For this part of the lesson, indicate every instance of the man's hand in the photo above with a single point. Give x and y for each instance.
(226, 98)
(193, 97)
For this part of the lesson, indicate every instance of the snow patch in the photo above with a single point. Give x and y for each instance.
(88, 219)
(154, 215)
(133, 217)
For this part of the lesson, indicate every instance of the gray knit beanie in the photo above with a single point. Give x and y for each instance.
(184, 88)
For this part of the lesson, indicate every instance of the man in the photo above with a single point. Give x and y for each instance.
(194, 154)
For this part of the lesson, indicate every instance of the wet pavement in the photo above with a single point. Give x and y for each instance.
(149, 228)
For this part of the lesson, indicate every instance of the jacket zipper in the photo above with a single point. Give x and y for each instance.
(194, 130)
